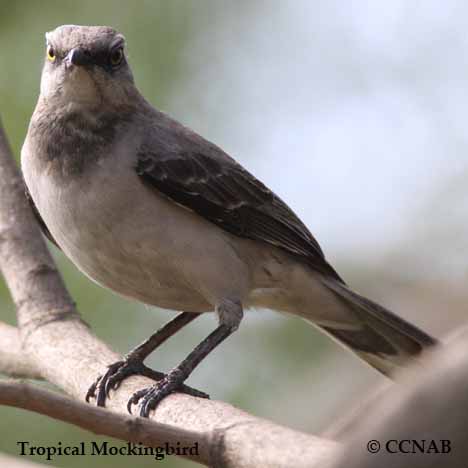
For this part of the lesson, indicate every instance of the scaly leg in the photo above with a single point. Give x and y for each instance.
(230, 315)
(133, 362)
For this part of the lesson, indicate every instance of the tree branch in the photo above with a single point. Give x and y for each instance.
(12, 360)
(425, 407)
(14, 462)
(95, 419)
(58, 346)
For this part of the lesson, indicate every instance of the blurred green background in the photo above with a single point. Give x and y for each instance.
(355, 114)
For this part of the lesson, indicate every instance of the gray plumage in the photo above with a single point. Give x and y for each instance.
(151, 210)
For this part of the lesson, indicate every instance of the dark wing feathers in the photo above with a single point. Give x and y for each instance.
(40, 221)
(223, 192)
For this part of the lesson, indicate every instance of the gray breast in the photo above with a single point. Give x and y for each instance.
(68, 143)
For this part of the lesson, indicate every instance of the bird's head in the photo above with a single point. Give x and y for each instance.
(86, 66)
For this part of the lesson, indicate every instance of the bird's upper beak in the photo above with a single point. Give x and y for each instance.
(78, 57)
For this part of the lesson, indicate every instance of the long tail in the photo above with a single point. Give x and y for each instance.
(384, 340)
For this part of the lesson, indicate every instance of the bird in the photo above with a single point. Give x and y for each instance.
(149, 209)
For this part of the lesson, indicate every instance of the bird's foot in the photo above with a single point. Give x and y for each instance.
(151, 396)
(112, 379)
(119, 371)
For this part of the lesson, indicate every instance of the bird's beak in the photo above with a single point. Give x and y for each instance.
(78, 57)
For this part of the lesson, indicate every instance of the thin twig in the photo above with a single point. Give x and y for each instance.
(98, 420)
(15, 462)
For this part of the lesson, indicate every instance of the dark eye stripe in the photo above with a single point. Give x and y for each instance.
(102, 58)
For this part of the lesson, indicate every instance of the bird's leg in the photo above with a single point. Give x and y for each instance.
(230, 315)
(133, 362)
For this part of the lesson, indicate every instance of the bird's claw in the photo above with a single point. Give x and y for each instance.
(112, 379)
(152, 396)
(124, 370)
(92, 390)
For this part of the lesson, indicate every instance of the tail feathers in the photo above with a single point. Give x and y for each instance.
(384, 340)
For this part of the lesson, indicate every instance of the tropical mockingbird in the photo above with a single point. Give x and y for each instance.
(148, 208)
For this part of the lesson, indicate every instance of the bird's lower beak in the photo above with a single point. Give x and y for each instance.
(78, 57)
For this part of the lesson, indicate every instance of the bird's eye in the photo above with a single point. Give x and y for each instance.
(116, 56)
(51, 54)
